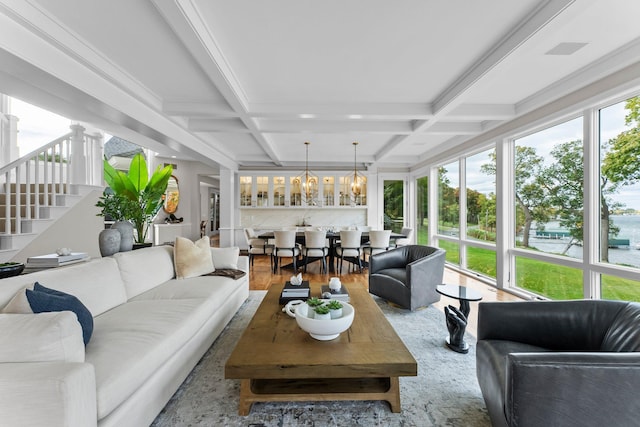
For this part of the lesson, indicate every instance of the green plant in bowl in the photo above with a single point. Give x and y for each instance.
(314, 302)
(335, 309)
(334, 305)
(321, 309)
(322, 312)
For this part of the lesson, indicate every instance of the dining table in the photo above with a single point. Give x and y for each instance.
(333, 237)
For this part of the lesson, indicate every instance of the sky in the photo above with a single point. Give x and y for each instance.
(37, 127)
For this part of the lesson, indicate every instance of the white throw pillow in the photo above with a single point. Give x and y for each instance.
(192, 259)
(225, 257)
(19, 303)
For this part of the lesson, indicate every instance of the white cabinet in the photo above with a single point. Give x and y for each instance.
(262, 190)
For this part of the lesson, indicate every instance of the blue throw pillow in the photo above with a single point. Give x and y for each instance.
(43, 299)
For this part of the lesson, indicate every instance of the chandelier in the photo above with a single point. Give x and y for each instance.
(358, 181)
(309, 182)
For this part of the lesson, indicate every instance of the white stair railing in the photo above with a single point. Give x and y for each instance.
(43, 174)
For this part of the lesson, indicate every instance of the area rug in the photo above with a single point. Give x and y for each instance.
(445, 392)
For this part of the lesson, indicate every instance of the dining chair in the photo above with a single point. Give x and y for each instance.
(406, 231)
(349, 247)
(257, 246)
(285, 247)
(315, 247)
(378, 242)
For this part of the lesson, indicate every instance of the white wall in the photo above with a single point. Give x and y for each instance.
(77, 230)
(265, 218)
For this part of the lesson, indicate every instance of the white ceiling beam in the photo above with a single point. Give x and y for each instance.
(393, 111)
(197, 109)
(190, 27)
(454, 128)
(334, 126)
(480, 112)
(217, 125)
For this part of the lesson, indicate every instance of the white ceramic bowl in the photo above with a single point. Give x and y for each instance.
(325, 330)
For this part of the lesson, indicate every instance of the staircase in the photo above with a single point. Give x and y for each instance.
(39, 188)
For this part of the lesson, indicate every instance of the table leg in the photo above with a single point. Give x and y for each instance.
(245, 398)
(332, 251)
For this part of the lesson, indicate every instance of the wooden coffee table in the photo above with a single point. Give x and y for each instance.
(277, 361)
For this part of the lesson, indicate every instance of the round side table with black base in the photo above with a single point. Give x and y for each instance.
(457, 317)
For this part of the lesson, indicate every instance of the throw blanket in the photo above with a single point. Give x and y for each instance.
(227, 272)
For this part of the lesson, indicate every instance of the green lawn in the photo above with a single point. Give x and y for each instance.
(549, 280)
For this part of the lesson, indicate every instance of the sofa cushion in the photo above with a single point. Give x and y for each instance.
(194, 287)
(225, 258)
(132, 341)
(44, 337)
(96, 283)
(137, 279)
(192, 259)
(44, 300)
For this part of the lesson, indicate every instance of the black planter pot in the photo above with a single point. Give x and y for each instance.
(142, 245)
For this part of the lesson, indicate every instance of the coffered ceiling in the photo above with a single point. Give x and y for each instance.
(244, 83)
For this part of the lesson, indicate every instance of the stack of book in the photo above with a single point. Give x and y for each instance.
(341, 295)
(42, 262)
(293, 292)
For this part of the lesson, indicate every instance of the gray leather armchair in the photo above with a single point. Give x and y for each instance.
(408, 275)
(560, 363)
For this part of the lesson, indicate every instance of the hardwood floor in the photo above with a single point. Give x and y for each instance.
(261, 278)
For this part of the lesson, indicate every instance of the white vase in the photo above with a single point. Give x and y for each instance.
(126, 234)
(109, 241)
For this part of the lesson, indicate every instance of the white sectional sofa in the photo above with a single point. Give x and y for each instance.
(150, 330)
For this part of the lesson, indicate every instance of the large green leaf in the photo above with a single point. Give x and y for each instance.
(138, 173)
(160, 179)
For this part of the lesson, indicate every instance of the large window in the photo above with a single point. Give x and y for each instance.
(554, 213)
(422, 211)
(449, 200)
(467, 231)
(393, 198)
(549, 191)
(481, 196)
(619, 187)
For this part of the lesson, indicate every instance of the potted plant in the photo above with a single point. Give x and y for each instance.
(322, 312)
(138, 196)
(312, 303)
(335, 309)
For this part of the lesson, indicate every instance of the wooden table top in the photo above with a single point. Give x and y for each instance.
(274, 347)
